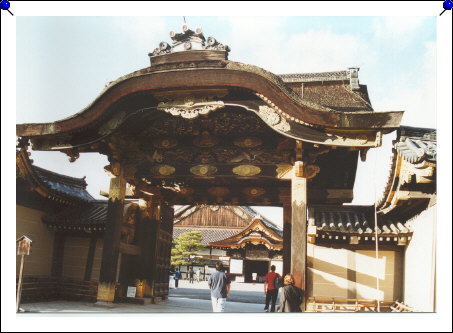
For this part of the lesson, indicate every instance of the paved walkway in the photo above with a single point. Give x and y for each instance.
(240, 292)
(189, 297)
(172, 305)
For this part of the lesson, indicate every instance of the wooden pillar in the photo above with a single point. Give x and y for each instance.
(299, 225)
(148, 238)
(167, 213)
(287, 210)
(110, 252)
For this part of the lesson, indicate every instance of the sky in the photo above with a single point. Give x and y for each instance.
(57, 57)
(63, 63)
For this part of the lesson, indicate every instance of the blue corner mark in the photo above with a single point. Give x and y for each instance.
(4, 5)
(448, 5)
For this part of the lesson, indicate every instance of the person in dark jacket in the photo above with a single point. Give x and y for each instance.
(290, 296)
(177, 275)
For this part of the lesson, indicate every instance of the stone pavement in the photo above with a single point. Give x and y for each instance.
(240, 292)
(172, 305)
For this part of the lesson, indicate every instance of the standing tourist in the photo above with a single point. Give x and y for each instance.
(220, 284)
(176, 277)
(291, 297)
(271, 286)
(198, 273)
(191, 275)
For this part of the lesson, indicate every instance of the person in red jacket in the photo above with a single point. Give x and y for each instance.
(270, 289)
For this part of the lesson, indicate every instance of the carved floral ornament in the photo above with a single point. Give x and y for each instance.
(203, 170)
(246, 170)
(189, 108)
(272, 118)
(163, 170)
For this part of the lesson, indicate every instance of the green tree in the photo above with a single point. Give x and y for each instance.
(186, 246)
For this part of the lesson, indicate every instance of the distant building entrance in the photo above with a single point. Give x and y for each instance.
(255, 270)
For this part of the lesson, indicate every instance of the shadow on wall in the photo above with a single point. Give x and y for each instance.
(354, 276)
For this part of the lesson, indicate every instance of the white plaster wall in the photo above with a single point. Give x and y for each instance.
(218, 252)
(419, 279)
(214, 252)
(347, 273)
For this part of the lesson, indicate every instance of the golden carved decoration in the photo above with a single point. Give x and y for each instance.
(163, 170)
(311, 171)
(305, 170)
(165, 143)
(254, 191)
(140, 285)
(205, 140)
(114, 169)
(248, 142)
(117, 189)
(284, 171)
(246, 170)
(203, 170)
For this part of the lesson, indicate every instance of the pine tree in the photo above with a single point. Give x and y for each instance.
(186, 246)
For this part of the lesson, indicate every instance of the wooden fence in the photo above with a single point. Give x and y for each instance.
(332, 304)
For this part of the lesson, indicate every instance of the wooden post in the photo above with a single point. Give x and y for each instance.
(299, 226)
(287, 210)
(110, 252)
(167, 215)
(155, 254)
(19, 286)
(146, 240)
(23, 249)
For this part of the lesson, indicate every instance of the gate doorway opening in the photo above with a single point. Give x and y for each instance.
(259, 267)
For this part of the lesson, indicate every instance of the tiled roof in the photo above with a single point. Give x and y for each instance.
(338, 97)
(338, 90)
(355, 220)
(209, 235)
(91, 214)
(50, 184)
(417, 144)
(310, 77)
(65, 185)
(271, 225)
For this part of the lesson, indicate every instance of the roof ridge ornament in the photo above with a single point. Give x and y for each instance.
(354, 78)
(189, 40)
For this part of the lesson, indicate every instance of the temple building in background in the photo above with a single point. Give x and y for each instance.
(238, 236)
